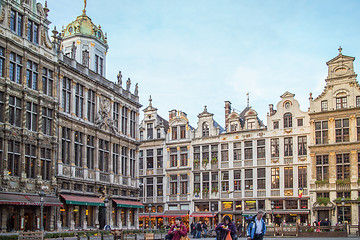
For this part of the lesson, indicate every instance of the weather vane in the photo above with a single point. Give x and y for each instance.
(84, 11)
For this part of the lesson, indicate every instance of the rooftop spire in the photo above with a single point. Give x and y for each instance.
(340, 49)
(84, 10)
(150, 100)
(248, 99)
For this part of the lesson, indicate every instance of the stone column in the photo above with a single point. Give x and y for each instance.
(331, 130)
(96, 217)
(72, 154)
(71, 217)
(85, 109)
(4, 214)
(72, 98)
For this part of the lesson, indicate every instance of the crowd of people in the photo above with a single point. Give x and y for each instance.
(226, 230)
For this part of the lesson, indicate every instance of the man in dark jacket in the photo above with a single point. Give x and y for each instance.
(198, 230)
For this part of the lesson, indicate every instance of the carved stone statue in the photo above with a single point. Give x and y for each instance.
(136, 89)
(119, 78)
(73, 50)
(128, 84)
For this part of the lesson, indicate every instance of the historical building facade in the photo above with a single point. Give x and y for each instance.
(238, 170)
(334, 145)
(97, 172)
(28, 105)
(69, 136)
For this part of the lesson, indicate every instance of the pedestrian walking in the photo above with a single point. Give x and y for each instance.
(198, 230)
(223, 229)
(257, 228)
(177, 230)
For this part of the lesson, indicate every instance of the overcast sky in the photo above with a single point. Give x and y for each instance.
(192, 53)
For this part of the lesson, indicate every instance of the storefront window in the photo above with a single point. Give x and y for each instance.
(132, 217)
(77, 216)
(90, 216)
(303, 204)
(64, 215)
(160, 208)
(201, 207)
(227, 206)
(114, 215)
(250, 205)
(123, 217)
(344, 212)
(238, 206)
(261, 204)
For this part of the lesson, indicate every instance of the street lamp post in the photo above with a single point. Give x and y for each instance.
(212, 214)
(106, 203)
(272, 214)
(343, 206)
(150, 215)
(42, 195)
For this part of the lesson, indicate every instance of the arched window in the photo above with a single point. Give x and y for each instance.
(287, 120)
(205, 129)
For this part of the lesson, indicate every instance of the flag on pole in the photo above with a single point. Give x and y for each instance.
(301, 190)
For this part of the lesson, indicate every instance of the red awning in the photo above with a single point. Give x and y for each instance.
(146, 215)
(128, 204)
(289, 212)
(202, 214)
(29, 200)
(82, 200)
(176, 213)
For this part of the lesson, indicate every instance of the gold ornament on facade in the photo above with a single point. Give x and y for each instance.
(274, 160)
(352, 117)
(168, 149)
(178, 148)
(354, 152)
(332, 153)
(331, 120)
(288, 192)
(2, 16)
(224, 138)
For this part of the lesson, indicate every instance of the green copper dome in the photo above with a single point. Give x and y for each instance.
(84, 26)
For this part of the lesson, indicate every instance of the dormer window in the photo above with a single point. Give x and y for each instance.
(358, 101)
(158, 133)
(233, 127)
(174, 133)
(205, 129)
(276, 124)
(183, 132)
(250, 124)
(287, 120)
(341, 102)
(33, 32)
(324, 105)
(141, 135)
(149, 131)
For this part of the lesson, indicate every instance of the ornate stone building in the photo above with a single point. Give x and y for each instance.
(335, 136)
(97, 172)
(28, 119)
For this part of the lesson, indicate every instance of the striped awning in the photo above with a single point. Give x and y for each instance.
(176, 213)
(128, 204)
(82, 200)
(202, 214)
(29, 200)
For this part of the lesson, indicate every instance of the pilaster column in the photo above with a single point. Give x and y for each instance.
(85, 109)
(72, 98)
(331, 130)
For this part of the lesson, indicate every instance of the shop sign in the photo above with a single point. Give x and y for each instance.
(227, 205)
(293, 214)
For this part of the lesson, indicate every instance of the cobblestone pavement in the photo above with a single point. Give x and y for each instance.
(290, 238)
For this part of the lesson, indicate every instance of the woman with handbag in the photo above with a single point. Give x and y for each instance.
(226, 230)
(178, 230)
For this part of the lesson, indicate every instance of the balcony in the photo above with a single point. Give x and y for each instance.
(248, 193)
(125, 181)
(104, 177)
(237, 194)
(237, 163)
(224, 195)
(275, 192)
(288, 160)
(173, 198)
(224, 165)
(184, 197)
(261, 193)
(248, 162)
(261, 162)
(79, 172)
(343, 186)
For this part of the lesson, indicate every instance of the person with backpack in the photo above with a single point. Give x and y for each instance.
(256, 228)
(223, 229)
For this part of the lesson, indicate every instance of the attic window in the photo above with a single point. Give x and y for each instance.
(233, 127)
(205, 129)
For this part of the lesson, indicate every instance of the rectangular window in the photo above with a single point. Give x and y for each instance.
(30, 160)
(2, 62)
(225, 181)
(45, 159)
(159, 155)
(248, 150)
(79, 100)
(116, 158)
(357, 123)
(47, 119)
(302, 145)
(205, 183)
(224, 152)
(16, 22)
(124, 159)
(302, 174)
(237, 151)
(66, 94)
(149, 187)
(132, 163)
(124, 120)
(14, 158)
(141, 159)
(150, 131)
(237, 180)
(261, 148)
(78, 148)
(321, 132)
(32, 75)
(342, 130)
(48, 82)
(324, 105)
(150, 159)
(173, 185)
(158, 133)
(65, 145)
(160, 191)
(276, 124)
(288, 147)
(214, 182)
(15, 111)
(300, 122)
(261, 181)
(173, 157)
(275, 147)
(183, 184)
(183, 156)
(31, 116)
(303, 204)
(2, 103)
(182, 132)
(116, 113)
(132, 124)
(341, 102)
(322, 167)
(91, 106)
(342, 166)
(33, 32)
(358, 101)
(205, 154)
(15, 67)
(197, 183)
(288, 172)
(248, 179)
(90, 150)
(101, 66)
(174, 133)
(103, 155)
(291, 204)
(275, 178)
(96, 63)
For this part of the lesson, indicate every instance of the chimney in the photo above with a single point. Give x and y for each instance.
(271, 108)
(227, 113)
(172, 114)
